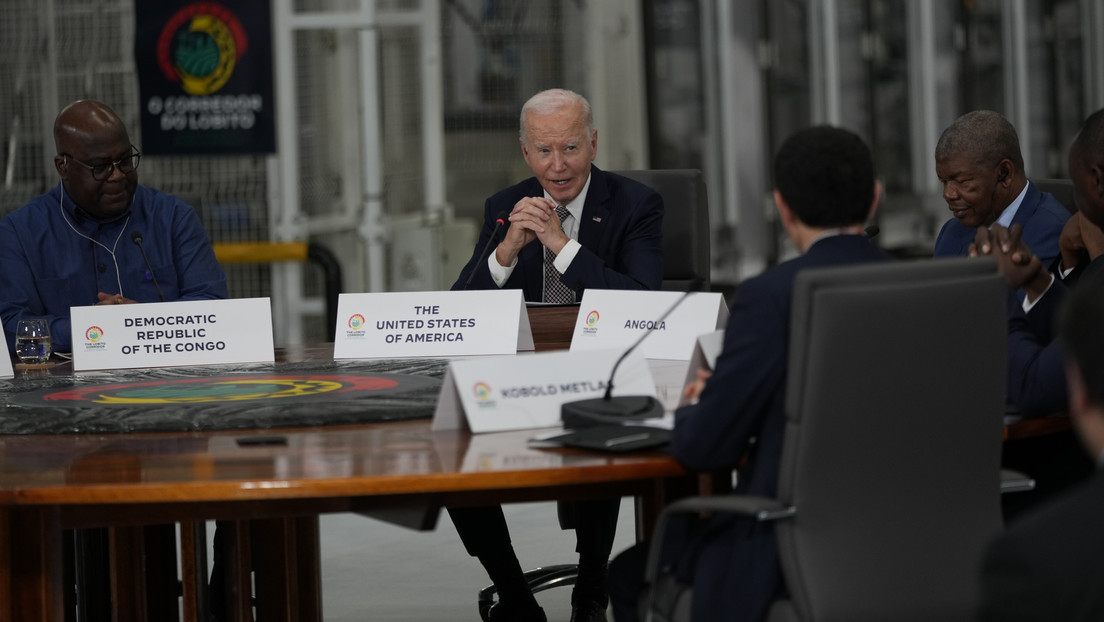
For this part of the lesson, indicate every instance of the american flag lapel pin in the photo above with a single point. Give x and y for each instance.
(597, 219)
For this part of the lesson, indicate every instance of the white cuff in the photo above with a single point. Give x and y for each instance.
(499, 273)
(567, 254)
(1028, 303)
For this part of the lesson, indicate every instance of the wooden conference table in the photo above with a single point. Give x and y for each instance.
(271, 485)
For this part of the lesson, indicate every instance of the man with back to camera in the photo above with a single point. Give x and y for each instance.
(571, 226)
(75, 245)
(979, 163)
(824, 191)
(1050, 564)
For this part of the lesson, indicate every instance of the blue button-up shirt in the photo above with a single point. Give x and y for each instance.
(49, 262)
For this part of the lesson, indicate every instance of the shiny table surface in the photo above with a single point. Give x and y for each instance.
(274, 482)
(403, 457)
(307, 462)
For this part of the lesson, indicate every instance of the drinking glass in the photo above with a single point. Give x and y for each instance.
(32, 341)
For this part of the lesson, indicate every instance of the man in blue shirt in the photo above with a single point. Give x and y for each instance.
(979, 163)
(78, 243)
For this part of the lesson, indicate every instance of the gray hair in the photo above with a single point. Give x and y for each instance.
(985, 136)
(552, 101)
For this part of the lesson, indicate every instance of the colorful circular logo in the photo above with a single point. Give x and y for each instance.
(200, 46)
(592, 319)
(482, 391)
(93, 334)
(356, 322)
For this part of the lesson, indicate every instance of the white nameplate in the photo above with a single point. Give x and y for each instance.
(522, 392)
(168, 334)
(414, 324)
(6, 370)
(706, 351)
(612, 319)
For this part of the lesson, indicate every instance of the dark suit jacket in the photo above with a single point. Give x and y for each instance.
(621, 233)
(733, 563)
(1036, 372)
(1049, 565)
(1041, 216)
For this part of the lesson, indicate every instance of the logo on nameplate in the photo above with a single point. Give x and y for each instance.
(93, 338)
(482, 392)
(356, 326)
(591, 327)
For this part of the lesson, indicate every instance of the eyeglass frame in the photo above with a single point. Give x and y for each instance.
(136, 156)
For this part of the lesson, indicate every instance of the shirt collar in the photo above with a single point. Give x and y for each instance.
(1009, 212)
(575, 206)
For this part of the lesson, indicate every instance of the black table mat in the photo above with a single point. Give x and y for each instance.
(221, 397)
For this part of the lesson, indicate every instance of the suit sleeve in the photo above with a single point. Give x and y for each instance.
(637, 262)
(1036, 372)
(716, 432)
(482, 277)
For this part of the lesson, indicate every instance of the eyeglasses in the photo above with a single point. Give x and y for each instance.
(100, 172)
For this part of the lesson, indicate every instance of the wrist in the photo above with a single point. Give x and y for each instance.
(1038, 284)
(503, 256)
(1069, 259)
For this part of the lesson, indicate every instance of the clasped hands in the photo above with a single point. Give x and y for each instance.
(1015, 261)
(114, 299)
(533, 218)
(1078, 242)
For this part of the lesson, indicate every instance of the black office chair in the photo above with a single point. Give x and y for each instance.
(1062, 189)
(685, 260)
(890, 470)
(685, 224)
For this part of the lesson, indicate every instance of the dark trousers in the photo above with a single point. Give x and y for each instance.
(626, 582)
(485, 535)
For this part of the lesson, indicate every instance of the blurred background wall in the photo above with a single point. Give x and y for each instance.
(397, 118)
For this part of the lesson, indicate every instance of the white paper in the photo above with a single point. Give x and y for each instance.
(706, 350)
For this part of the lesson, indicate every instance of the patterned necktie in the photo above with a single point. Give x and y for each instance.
(554, 289)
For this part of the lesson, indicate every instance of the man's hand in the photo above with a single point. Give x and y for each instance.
(694, 389)
(1019, 266)
(1071, 245)
(532, 218)
(114, 299)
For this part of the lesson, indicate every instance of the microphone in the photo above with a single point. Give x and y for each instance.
(607, 409)
(136, 237)
(500, 221)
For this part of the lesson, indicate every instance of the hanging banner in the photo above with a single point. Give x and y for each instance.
(205, 77)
